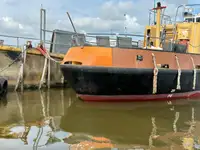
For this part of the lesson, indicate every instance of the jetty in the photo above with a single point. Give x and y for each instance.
(26, 66)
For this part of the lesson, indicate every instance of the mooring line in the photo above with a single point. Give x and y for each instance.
(155, 72)
(195, 74)
(178, 87)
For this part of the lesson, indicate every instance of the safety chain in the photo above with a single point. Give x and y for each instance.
(155, 72)
(195, 74)
(178, 87)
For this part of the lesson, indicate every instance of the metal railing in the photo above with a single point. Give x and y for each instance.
(184, 6)
(65, 39)
(125, 41)
(16, 40)
(165, 19)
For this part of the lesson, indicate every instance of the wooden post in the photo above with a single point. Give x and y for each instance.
(49, 73)
(43, 73)
(20, 79)
(23, 64)
(62, 102)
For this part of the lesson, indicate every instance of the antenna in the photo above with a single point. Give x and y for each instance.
(125, 27)
(71, 22)
(154, 11)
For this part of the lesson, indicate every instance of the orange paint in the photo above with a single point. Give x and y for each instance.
(90, 56)
(126, 58)
(92, 145)
(101, 139)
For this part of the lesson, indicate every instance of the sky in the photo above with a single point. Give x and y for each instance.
(22, 17)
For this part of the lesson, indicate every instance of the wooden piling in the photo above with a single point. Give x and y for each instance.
(20, 79)
(23, 66)
(42, 81)
(49, 73)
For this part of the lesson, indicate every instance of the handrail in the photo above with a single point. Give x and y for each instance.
(18, 38)
(175, 19)
(162, 15)
(113, 40)
(183, 5)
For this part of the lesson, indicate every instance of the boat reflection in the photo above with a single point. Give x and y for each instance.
(56, 119)
(144, 125)
(33, 123)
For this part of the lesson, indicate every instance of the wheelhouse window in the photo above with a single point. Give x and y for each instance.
(198, 19)
(189, 19)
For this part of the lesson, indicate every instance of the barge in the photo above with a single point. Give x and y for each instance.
(165, 67)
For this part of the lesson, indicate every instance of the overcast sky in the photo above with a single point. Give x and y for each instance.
(21, 17)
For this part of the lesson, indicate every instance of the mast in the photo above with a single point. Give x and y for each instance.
(158, 23)
(154, 12)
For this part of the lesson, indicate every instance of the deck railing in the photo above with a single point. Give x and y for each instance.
(61, 41)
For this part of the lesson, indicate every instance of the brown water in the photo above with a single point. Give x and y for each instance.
(56, 119)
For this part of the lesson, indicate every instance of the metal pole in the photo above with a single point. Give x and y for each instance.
(17, 41)
(44, 27)
(44, 40)
(149, 18)
(154, 11)
(71, 22)
(41, 25)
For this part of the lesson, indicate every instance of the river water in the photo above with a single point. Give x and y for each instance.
(56, 119)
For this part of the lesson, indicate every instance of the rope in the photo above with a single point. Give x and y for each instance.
(49, 57)
(177, 114)
(178, 87)
(9, 65)
(14, 61)
(194, 46)
(46, 54)
(155, 72)
(195, 74)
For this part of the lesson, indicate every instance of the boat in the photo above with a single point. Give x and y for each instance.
(163, 66)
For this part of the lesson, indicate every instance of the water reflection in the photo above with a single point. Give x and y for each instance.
(56, 119)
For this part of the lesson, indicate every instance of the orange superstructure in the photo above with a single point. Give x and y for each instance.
(98, 56)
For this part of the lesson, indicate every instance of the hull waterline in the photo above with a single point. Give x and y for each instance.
(129, 84)
(132, 98)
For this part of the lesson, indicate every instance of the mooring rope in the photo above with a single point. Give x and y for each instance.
(49, 57)
(155, 72)
(195, 74)
(178, 87)
(9, 65)
(177, 114)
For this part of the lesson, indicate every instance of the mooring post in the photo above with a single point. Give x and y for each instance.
(23, 65)
(21, 72)
(49, 73)
(43, 73)
(42, 41)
